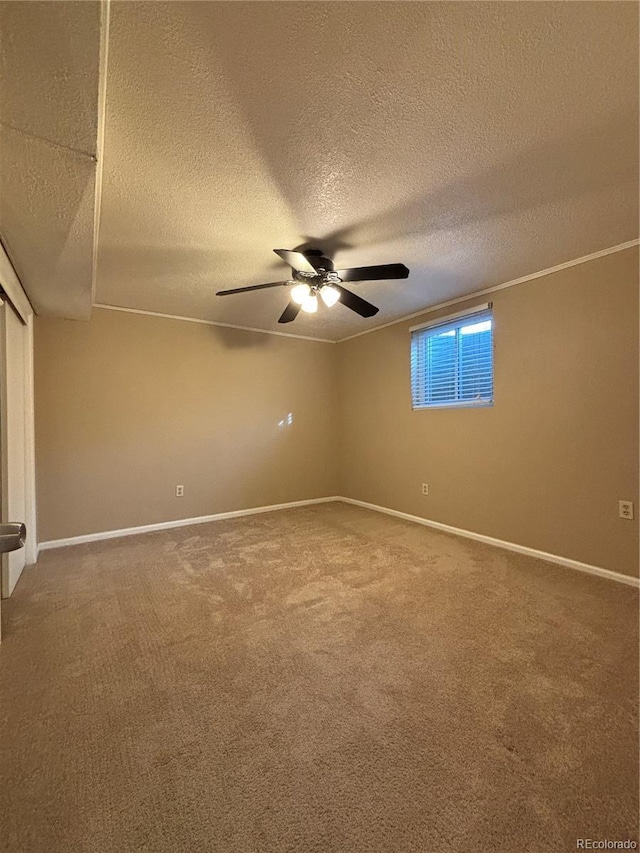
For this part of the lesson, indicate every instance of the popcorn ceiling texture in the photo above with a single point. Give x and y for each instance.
(49, 56)
(50, 71)
(475, 142)
(319, 680)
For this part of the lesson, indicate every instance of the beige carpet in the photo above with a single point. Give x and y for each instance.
(321, 679)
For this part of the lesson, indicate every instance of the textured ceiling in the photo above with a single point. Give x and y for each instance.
(474, 142)
(49, 62)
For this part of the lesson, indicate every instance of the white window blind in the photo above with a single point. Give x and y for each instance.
(452, 361)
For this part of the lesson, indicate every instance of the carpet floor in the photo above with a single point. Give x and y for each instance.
(319, 679)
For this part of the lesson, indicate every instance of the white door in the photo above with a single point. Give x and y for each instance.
(14, 343)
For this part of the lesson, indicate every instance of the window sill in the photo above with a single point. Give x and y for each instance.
(471, 404)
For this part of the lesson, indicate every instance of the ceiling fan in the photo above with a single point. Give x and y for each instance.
(313, 274)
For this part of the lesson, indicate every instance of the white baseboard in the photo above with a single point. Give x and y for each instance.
(181, 522)
(500, 543)
(447, 528)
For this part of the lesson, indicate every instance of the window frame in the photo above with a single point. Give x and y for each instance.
(459, 319)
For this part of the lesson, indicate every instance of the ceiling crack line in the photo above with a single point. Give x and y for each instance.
(78, 151)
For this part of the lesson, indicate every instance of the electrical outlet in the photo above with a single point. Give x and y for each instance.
(425, 488)
(625, 509)
(179, 491)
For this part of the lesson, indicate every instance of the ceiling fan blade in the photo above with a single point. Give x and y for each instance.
(296, 260)
(356, 303)
(251, 287)
(290, 312)
(378, 273)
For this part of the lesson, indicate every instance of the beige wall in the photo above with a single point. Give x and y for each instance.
(546, 465)
(128, 406)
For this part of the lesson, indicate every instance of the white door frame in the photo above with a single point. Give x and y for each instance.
(31, 543)
(15, 295)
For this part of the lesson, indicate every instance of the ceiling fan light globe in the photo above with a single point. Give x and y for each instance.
(300, 293)
(310, 304)
(329, 295)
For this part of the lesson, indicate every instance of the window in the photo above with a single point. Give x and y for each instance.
(452, 361)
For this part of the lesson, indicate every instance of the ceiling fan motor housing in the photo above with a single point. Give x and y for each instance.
(316, 259)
